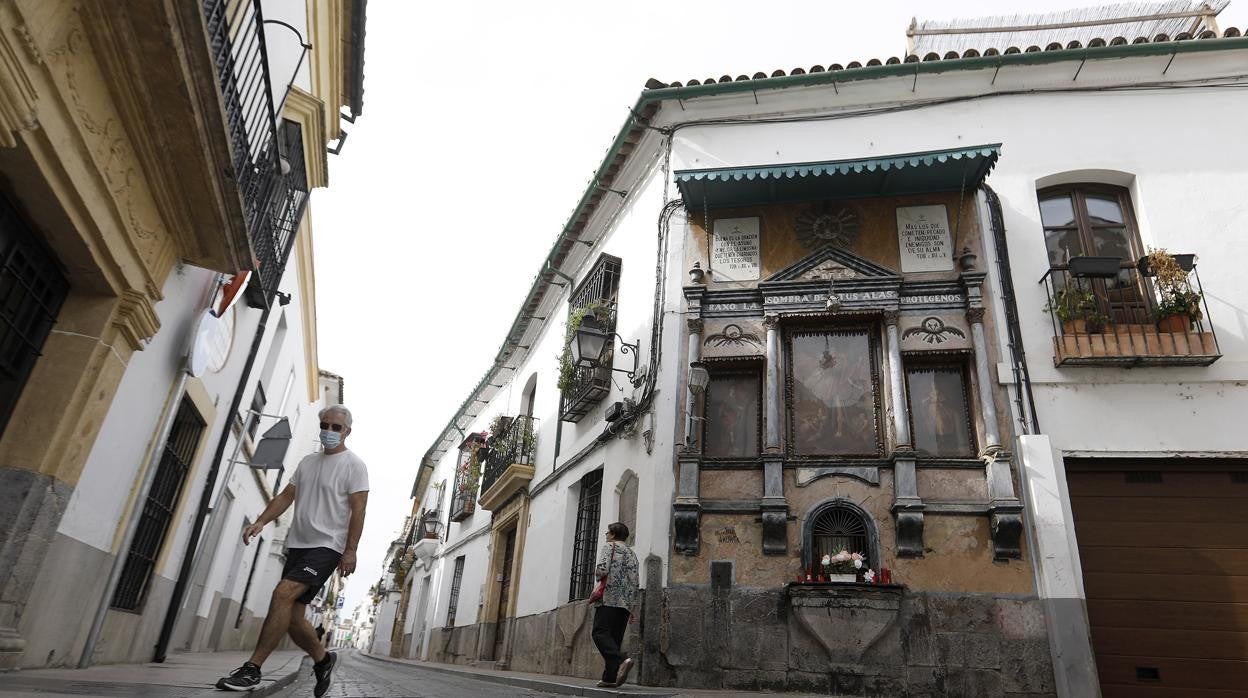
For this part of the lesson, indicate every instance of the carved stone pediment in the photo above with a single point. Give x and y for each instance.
(745, 337)
(832, 263)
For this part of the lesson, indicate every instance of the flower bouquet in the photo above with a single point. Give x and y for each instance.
(843, 566)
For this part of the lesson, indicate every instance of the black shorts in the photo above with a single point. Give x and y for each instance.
(311, 566)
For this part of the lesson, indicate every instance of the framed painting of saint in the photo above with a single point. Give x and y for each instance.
(732, 414)
(940, 417)
(833, 392)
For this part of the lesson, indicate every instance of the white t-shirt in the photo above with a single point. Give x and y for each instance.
(322, 510)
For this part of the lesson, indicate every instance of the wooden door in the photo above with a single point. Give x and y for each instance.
(504, 593)
(1164, 551)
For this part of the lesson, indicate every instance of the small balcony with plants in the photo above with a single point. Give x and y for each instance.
(467, 477)
(508, 460)
(1107, 312)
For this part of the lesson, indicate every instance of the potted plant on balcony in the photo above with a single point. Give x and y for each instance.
(1178, 304)
(567, 371)
(1075, 307)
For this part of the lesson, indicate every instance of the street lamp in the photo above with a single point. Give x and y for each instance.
(698, 377)
(591, 342)
(431, 525)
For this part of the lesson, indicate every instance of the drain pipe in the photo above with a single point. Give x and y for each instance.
(205, 499)
(1022, 378)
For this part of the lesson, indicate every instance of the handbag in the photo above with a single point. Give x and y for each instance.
(601, 589)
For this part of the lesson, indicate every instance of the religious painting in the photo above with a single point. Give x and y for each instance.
(732, 420)
(833, 400)
(939, 410)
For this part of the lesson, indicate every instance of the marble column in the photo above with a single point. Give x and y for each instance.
(686, 511)
(907, 505)
(1005, 510)
(775, 506)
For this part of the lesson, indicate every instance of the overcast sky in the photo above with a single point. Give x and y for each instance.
(483, 122)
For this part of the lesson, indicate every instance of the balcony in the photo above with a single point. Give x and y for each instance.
(268, 158)
(1112, 316)
(463, 505)
(509, 461)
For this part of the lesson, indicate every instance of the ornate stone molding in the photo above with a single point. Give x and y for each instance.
(974, 315)
(686, 519)
(771, 321)
(17, 93)
(1007, 531)
(909, 530)
(695, 325)
(892, 317)
(136, 319)
(775, 526)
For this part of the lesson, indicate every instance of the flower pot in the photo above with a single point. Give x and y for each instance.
(1181, 322)
(1186, 262)
(1077, 326)
(1101, 267)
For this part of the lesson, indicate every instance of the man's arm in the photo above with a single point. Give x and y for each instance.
(358, 502)
(276, 507)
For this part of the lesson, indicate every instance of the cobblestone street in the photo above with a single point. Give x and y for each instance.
(360, 677)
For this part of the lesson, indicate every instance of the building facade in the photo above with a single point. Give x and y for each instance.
(156, 166)
(897, 309)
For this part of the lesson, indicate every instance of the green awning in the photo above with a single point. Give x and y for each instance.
(911, 173)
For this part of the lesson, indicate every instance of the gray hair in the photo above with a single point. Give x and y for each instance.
(340, 409)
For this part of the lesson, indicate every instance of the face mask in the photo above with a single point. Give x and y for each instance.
(330, 439)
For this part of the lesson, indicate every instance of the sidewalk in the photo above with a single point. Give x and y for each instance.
(574, 686)
(184, 675)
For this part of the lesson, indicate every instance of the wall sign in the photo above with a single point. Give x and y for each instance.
(923, 235)
(734, 250)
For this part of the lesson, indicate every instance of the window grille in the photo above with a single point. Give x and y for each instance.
(162, 499)
(839, 528)
(591, 385)
(32, 290)
(585, 545)
(455, 582)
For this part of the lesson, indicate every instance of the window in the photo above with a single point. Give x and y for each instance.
(258, 401)
(456, 579)
(1096, 221)
(732, 420)
(1088, 220)
(582, 388)
(940, 416)
(585, 544)
(162, 499)
(833, 392)
(32, 290)
(840, 526)
(467, 479)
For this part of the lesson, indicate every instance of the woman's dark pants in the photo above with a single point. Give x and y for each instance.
(609, 625)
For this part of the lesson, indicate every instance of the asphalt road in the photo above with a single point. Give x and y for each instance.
(359, 677)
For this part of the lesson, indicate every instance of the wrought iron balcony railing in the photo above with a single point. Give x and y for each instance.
(1120, 317)
(515, 444)
(267, 154)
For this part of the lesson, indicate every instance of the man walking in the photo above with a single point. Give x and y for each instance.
(330, 492)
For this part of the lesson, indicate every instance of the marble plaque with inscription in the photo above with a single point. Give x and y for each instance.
(735, 250)
(923, 235)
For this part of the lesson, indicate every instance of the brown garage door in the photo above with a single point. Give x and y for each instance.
(1164, 549)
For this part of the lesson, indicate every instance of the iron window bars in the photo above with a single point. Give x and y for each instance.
(456, 580)
(514, 444)
(463, 494)
(839, 528)
(32, 291)
(273, 188)
(590, 385)
(161, 501)
(585, 544)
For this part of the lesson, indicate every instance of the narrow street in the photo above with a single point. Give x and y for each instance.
(360, 677)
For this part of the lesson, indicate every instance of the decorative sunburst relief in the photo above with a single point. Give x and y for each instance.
(826, 224)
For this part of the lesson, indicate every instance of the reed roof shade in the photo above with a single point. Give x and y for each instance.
(909, 173)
